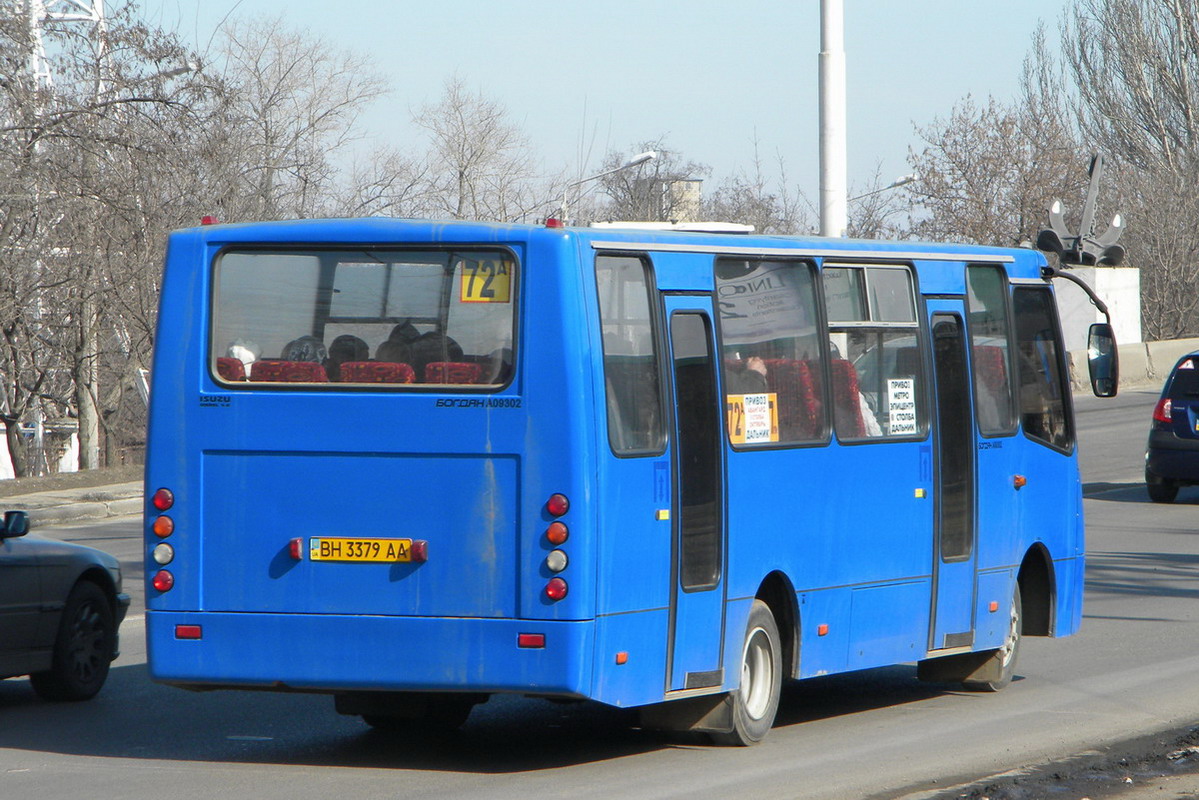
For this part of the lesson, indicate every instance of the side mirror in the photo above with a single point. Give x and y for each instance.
(16, 523)
(1103, 360)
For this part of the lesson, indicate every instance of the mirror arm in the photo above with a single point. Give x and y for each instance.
(1049, 272)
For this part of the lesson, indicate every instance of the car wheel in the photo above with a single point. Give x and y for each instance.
(1160, 490)
(756, 700)
(82, 649)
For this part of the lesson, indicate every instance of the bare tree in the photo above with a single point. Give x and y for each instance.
(988, 172)
(1135, 64)
(660, 190)
(480, 164)
(748, 197)
(289, 104)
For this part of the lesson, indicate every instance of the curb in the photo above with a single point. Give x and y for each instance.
(52, 508)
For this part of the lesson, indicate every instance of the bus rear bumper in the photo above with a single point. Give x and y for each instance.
(331, 653)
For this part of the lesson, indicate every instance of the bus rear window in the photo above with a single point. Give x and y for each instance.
(368, 317)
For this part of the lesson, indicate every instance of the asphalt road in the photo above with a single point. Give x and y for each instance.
(873, 734)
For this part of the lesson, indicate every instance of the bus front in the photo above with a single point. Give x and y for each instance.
(347, 491)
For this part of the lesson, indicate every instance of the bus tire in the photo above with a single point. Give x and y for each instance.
(442, 714)
(1000, 667)
(83, 647)
(756, 700)
(1160, 490)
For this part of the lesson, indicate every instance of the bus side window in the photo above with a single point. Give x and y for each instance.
(770, 351)
(633, 398)
(987, 299)
(878, 364)
(1043, 389)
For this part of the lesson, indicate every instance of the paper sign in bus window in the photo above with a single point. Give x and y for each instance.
(901, 406)
(753, 418)
(487, 281)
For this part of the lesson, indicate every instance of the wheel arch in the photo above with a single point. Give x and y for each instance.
(103, 581)
(1038, 591)
(778, 593)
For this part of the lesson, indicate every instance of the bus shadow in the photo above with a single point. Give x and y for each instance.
(135, 718)
(1171, 575)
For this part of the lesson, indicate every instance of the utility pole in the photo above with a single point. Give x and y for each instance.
(834, 173)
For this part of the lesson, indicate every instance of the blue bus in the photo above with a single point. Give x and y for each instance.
(412, 464)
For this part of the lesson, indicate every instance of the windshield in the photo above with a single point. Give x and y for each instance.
(397, 317)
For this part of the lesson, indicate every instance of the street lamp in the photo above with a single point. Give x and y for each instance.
(903, 180)
(637, 160)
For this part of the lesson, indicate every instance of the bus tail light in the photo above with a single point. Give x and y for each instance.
(530, 640)
(163, 499)
(557, 505)
(419, 551)
(556, 561)
(188, 632)
(163, 554)
(163, 526)
(296, 549)
(163, 580)
(557, 533)
(556, 589)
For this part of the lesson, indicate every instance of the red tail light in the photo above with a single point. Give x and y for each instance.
(1163, 410)
(188, 632)
(556, 589)
(535, 640)
(557, 505)
(163, 499)
(163, 581)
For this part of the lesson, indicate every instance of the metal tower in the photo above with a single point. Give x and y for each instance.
(43, 12)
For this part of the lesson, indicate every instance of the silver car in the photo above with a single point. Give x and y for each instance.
(61, 605)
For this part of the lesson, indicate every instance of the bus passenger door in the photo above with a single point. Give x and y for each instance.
(954, 544)
(697, 505)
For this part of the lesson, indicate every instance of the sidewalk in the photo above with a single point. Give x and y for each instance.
(70, 505)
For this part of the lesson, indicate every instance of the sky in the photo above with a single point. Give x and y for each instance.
(709, 77)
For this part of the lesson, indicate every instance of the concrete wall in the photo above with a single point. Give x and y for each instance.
(1142, 364)
(1120, 289)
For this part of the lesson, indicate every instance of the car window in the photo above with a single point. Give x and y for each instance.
(1185, 381)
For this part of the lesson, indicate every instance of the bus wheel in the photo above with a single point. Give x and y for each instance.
(442, 714)
(756, 701)
(1002, 662)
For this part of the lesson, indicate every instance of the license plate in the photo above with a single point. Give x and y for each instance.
(362, 550)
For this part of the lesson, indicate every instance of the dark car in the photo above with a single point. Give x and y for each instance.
(1172, 456)
(60, 607)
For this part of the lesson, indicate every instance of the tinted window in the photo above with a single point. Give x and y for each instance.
(698, 457)
(1185, 381)
(987, 300)
(630, 355)
(770, 350)
(1043, 391)
(395, 317)
(955, 501)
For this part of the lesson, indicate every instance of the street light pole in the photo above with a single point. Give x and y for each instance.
(903, 180)
(834, 211)
(636, 160)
